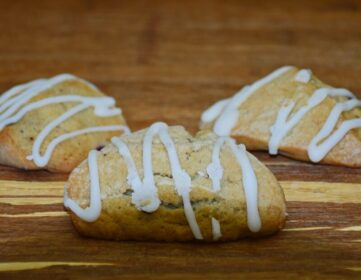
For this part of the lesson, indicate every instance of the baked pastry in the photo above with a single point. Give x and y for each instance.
(53, 123)
(163, 184)
(292, 112)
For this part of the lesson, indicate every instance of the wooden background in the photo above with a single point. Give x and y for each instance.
(169, 60)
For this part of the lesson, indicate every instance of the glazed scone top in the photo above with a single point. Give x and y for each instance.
(172, 168)
(38, 102)
(300, 92)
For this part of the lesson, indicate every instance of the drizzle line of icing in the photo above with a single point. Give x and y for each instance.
(317, 152)
(284, 123)
(216, 229)
(91, 213)
(303, 76)
(214, 111)
(226, 119)
(249, 179)
(13, 108)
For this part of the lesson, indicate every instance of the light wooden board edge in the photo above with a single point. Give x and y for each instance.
(39, 193)
(17, 266)
(322, 192)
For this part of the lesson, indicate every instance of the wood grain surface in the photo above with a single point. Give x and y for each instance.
(168, 61)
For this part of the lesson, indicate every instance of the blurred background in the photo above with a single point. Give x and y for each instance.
(169, 60)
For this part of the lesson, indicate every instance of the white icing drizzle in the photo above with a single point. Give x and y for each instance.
(145, 195)
(214, 111)
(42, 160)
(317, 152)
(303, 76)
(284, 123)
(216, 229)
(215, 173)
(225, 112)
(249, 179)
(214, 169)
(13, 108)
(91, 213)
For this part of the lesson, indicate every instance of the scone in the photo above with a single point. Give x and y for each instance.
(292, 112)
(53, 123)
(163, 184)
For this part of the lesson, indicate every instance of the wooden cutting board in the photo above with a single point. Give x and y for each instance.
(168, 61)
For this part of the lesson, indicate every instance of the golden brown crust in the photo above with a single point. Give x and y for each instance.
(258, 113)
(120, 220)
(16, 140)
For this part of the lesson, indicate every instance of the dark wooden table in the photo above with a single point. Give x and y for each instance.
(169, 60)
